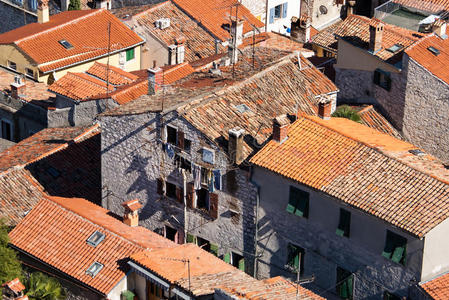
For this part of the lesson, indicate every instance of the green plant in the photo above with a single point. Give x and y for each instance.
(74, 5)
(345, 111)
(41, 286)
(10, 266)
(128, 295)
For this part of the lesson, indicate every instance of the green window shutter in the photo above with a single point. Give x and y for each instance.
(389, 248)
(345, 281)
(343, 290)
(191, 238)
(129, 54)
(292, 201)
(227, 258)
(350, 283)
(340, 232)
(296, 261)
(214, 249)
(302, 209)
(344, 223)
(242, 264)
(398, 254)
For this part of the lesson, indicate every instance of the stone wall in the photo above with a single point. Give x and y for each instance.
(425, 120)
(356, 86)
(133, 161)
(12, 16)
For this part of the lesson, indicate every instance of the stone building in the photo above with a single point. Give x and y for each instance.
(362, 212)
(204, 127)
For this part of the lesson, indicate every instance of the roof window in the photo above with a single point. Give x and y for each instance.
(96, 238)
(395, 48)
(417, 152)
(433, 50)
(66, 44)
(94, 269)
(242, 108)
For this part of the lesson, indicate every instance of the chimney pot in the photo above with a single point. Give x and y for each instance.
(172, 54)
(376, 30)
(281, 125)
(154, 80)
(235, 145)
(131, 216)
(324, 109)
(43, 15)
(439, 27)
(18, 87)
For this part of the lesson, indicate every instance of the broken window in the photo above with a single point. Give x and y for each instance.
(295, 258)
(382, 79)
(298, 202)
(395, 247)
(345, 283)
(344, 223)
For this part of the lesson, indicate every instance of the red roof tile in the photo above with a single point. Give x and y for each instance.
(372, 118)
(432, 6)
(332, 155)
(116, 75)
(435, 64)
(213, 14)
(132, 205)
(86, 31)
(79, 86)
(15, 285)
(56, 230)
(276, 41)
(172, 74)
(438, 288)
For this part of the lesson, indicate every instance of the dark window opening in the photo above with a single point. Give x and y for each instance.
(298, 202)
(278, 11)
(202, 200)
(344, 223)
(295, 258)
(187, 145)
(171, 135)
(382, 79)
(170, 233)
(238, 261)
(12, 65)
(345, 283)
(170, 190)
(390, 296)
(395, 247)
(204, 176)
(203, 243)
(29, 72)
(6, 131)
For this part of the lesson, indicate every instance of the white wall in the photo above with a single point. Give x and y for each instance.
(118, 289)
(436, 249)
(293, 10)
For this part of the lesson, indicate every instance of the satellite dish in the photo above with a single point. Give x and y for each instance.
(323, 9)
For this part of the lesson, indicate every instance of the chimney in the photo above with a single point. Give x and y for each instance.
(235, 145)
(43, 16)
(376, 30)
(180, 50)
(324, 109)
(217, 46)
(351, 4)
(172, 54)
(237, 30)
(103, 4)
(439, 27)
(280, 128)
(18, 87)
(131, 216)
(300, 28)
(154, 80)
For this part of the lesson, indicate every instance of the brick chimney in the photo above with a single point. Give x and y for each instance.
(103, 4)
(131, 216)
(376, 31)
(43, 15)
(439, 27)
(235, 145)
(280, 128)
(300, 28)
(18, 87)
(154, 80)
(236, 38)
(324, 109)
(351, 4)
(180, 49)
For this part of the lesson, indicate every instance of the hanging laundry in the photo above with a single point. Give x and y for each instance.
(210, 181)
(170, 151)
(196, 176)
(217, 179)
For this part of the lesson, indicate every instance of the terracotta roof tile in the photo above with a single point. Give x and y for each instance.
(214, 14)
(39, 234)
(276, 41)
(15, 285)
(438, 288)
(332, 155)
(116, 75)
(86, 31)
(355, 29)
(435, 64)
(79, 86)
(372, 118)
(174, 73)
(432, 6)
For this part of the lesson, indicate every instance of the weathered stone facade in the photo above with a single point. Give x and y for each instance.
(133, 161)
(324, 250)
(13, 16)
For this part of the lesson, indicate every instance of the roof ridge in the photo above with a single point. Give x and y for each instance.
(94, 11)
(377, 149)
(151, 8)
(80, 75)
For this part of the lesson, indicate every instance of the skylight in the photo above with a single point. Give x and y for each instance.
(65, 44)
(395, 48)
(242, 108)
(417, 152)
(433, 50)
(94, 269)
(96, 238)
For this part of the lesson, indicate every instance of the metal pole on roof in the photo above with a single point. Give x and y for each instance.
(107, 65)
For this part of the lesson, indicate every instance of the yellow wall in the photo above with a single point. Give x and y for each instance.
(8, 52)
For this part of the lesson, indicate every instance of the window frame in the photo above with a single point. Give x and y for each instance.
(128, 54)
(11, 129)
(340, 283)
(295, 204)
(393, 244)
(27, 72)
(295, 258)
(12, 65)
(383, 79)
(344, 223)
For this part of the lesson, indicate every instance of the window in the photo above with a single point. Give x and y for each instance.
(344, 223)
(390, 296)
(191, 238)
(202, 198)
(395, 247)
(235, 259)
(6, 130)
(29, 72)
(295, 258)
(170, 190)
(345, 283)
(433, 50)
(154, 289)
(382, 79)
(203, 243)
(32, 5)
(395, 48)
(298, 202)
(278, 12)
(171, 135)
(187, 145)
(12, 65)
(170, 233)
(66, 44)
(208, 155)
(94, 269)
(95, 239)
(129, 54)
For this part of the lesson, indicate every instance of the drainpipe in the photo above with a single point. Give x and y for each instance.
(266, 16)
(256, 236)
(184, 185)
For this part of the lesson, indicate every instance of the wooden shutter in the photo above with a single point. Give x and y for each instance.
(214, 249)
(339, 2)
(271, 20)
(181, 140)
(227, 258)
(190, 194)
(159, 186)
(213, 205)
(180, 235)
(284, 10)
(242, 264)
(179, 195)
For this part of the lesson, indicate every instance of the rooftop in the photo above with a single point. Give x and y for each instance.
(435, 64)
(42, 42)
(355, 30)
(39, 235)
(430, 6)
(372, 118)
(438, 288)
(386, 180)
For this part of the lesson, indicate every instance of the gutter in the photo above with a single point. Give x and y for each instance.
(256, 221)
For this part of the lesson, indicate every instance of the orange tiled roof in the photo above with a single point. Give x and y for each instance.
(56, 230)
(355, 29)
(435, 64)
(213, 14)
(276, 41)
(367, 169)
(433, 6)
(86, 31)
(15, 285)
(372, 118)
(172, 74)
(116, 75)
(438, 288)
(79, 86)
(276, 288)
